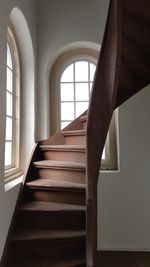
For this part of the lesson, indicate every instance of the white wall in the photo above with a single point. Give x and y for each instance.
(123, 197)
(59, 24)
(8, 198)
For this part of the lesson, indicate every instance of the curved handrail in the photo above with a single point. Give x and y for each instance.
(99, 116)
(123, 69)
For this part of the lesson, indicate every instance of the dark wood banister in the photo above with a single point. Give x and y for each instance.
(123, 69)
(100, 111)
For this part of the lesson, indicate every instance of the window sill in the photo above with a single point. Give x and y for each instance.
(11, 183)
(13, 178)
(12, 174)
(109, 171)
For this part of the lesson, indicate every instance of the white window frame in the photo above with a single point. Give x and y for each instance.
(74, 82)
(13, 170)
(111, 146)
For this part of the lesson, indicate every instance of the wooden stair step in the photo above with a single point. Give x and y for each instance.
(84, 121)
(61, 170)
(41, 206)
(47, 244)
(56, 191)
(49, 184)
(46, 235)
(47, 215)
(65, 165)
(75, 137)
(75, 153)
(77, 261)
(76, 148)
(83, 118)
(74, 132)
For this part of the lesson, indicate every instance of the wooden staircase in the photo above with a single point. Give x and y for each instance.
(50, 222)
(55, 222)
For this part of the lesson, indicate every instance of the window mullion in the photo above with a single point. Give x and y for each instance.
(74, 85)
(89, 78)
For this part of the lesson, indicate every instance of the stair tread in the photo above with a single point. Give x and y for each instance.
(55, 184)
(48, 206)
(63, 147)
(38, 234)
(47, 262)
(60, 164)
(74, 132)
(83, 118)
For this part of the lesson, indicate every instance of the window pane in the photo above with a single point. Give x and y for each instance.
(64, 124)
(8, 153)
(81, 71)
(92, 71)
(9, 58)
(81, 107)
(9, 80)
(67, 75)
(82, 91)
(9, 104)
(8, 128)
(67, 111)
(67, 92)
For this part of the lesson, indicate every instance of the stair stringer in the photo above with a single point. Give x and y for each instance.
(57, 139)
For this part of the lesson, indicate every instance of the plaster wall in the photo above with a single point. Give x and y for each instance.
(9, 194)
(124, 197)
(62, 24)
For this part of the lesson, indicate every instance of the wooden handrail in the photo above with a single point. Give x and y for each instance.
(99, 116)
(123, 69)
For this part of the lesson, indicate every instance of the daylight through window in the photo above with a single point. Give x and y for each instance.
(70, 89)
(12, 107)
(75, 84)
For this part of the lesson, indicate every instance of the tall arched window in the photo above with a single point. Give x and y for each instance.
(75, 87)
(70, 87)
(12, 131)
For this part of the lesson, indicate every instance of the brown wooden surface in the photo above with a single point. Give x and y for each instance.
(50, 222)
(123, 259)
(122, 70)
(46, 215)
(99, 117)
(134, 73)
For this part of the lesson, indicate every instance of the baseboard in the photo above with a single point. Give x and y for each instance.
(123, 258)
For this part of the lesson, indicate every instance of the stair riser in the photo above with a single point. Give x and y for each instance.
(49, 249)
(64, 156)
(67, 197)
(30, 263)
(75, 140)
(51, 220)
(63, 175)
(84, 123)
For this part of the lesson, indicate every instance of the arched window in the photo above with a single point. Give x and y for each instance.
(70, 87)
(12, 131)
(75, 87)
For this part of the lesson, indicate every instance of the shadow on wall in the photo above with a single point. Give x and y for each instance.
(8, 199)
